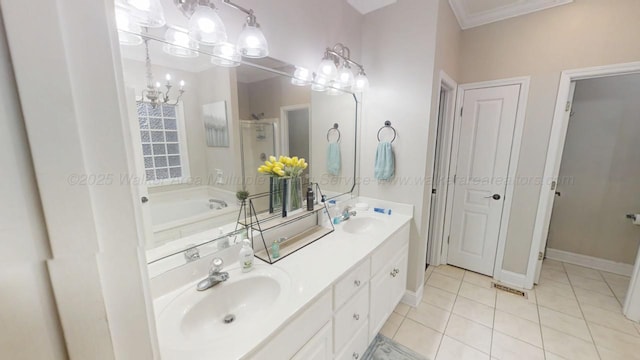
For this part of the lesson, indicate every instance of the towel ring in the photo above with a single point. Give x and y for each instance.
(387, 125)
(334, 128)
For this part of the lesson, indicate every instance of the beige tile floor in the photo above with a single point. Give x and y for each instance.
(574, 313)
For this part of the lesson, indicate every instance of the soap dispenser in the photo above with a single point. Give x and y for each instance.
(275, 247)
(246, 256)
(310, 198)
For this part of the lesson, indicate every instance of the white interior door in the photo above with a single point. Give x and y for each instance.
(486, 131)
(552, 188)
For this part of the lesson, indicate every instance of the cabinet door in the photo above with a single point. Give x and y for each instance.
(380, 302)
(399, 281)
(320, 347)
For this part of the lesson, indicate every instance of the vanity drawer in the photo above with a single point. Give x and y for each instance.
(382, 255)
(355, 280)
(356, 347)
(350, 318)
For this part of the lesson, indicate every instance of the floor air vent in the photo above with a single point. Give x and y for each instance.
(509, 290)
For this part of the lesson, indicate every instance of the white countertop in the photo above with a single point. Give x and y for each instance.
(312, 270)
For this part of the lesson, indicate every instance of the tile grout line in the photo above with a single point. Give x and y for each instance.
(611, 289)
(493, 323)
(450, 314)
(582, 312)
(544, 350)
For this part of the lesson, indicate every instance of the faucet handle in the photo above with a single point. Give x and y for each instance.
(215, 266)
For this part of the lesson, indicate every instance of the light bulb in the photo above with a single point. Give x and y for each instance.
(327, 68)
(345, 77)
(361, 83)
(252, 43)
(180, 44)
(157, 85)
(168, 77)
(205, 26)
(302, 76)
(319, 83)
(181, 84)
(226, 55)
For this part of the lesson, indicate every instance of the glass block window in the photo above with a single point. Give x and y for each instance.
(161, 132)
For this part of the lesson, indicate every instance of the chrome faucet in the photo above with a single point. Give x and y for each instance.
(215, 275)
(221, 203)
(347, 213)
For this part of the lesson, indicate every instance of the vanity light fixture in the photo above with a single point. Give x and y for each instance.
(205, 26)
(251, 41)
(179, 43)
(152, 92)
(342, 78)
(146, 13)
(320, 83)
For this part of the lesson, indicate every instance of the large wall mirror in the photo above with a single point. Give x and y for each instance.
(218, 124)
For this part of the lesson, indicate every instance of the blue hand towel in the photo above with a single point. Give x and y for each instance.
(384, 167)
(333, 159)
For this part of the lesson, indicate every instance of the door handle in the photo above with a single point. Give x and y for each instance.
(494, 197)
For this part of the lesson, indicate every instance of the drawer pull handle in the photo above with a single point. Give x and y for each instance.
(393, 273)
(356, 317)
(356, 355)
(356, 283)
(397, 271)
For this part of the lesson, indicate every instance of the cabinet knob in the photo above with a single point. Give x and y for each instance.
(356, 283)
(396, 270)
(356, 355)
(393, 273)
(356, 316)
(144, 199)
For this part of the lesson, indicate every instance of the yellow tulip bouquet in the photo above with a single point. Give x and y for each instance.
(288, 169)
(284, 166)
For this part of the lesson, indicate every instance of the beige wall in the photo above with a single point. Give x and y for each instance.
(541, 45)
(268, 96)
(600, 158)
(399, 45)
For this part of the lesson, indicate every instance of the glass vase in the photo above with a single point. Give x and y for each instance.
(293, 196)
(275, 193)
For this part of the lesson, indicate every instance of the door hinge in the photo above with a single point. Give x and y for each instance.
(433, 191)
(448, 238)
(540, 256)
(553, 185)
(461, 111)
(568, 106)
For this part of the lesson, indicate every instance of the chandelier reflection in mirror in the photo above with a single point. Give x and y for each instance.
(204, 28)
(153, 93)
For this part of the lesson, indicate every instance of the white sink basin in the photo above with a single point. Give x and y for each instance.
(357, 225)
(197, 318)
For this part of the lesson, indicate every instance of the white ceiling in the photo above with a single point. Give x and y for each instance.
(367, 6)
(472, 13)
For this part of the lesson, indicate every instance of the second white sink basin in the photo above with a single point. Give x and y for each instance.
(196, 318)
(356, 225)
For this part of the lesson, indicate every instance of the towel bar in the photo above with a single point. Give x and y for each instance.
(334, 128)
(387, 125)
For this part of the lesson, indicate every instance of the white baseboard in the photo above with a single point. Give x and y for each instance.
(413, 298)
(512, 279)
(590, 262)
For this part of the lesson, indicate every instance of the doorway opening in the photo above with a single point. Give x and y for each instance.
(590, 239)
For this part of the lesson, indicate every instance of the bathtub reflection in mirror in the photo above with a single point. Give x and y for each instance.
(203, 145)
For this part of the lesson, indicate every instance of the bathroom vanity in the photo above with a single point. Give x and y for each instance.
(326, 301)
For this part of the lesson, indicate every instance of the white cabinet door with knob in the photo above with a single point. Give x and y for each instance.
(387, 288)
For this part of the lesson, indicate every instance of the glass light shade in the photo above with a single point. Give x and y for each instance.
(180, 44)
(252, 43)
(205, 26)
(334, 88)
(361, 83)
(320, 83)
(146, 13)
(302, 76)
(226, 55)
(345, 77)
(327, 68)
(125, 26)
